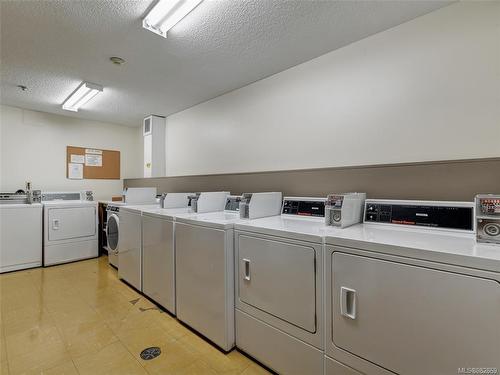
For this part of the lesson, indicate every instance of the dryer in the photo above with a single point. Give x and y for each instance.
(279, 287)
(404, 300)
(70, 225)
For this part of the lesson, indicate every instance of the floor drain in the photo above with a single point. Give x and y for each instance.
(150, 353)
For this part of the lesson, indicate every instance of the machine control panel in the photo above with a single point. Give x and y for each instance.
(438, 215)
(57, 196)
(304, 207)
(489, 205)
(233, 203)
(344, 210)
(488, 218)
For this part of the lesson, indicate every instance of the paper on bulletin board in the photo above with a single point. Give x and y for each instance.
(93, 151)
(75, 171)
(77, 158)
(93, 160)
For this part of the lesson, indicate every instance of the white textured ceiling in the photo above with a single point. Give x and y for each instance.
(51, 46)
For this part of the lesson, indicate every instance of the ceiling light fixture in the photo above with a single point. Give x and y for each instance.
(166, 14)
(83, 93)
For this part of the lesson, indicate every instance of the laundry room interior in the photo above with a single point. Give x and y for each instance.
(249, 187)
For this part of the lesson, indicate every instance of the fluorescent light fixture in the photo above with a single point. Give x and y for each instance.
(83, 93)
(166, 14)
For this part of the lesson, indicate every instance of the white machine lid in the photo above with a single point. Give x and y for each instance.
(219, 219)
(437, 246)
(139, 207)
(67, 203)
(300, 228)
(20, 205)
(301, 218)
(166, 213)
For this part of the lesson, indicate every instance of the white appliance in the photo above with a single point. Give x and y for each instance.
(279, 287)
(404, 300)
(129, 248)
(70, 227)
(204, 262)
(158, 254)
(131, 196)
(20, 233)
(130, 238)
(153, 130)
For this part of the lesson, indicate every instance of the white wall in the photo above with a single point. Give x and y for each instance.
(426, 90)
(33, 147)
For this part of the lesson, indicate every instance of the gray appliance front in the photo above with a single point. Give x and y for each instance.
(412, 320)
(279, 282)
(158, 261)
(130, 248)
(205, 281)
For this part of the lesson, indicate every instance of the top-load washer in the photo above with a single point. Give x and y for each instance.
(158, 255)
(20, 232)
(130, 249)
(70, 227)
(279, 282)
(204, 261)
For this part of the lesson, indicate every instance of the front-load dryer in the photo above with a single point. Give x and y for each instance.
(278, 283)
(70, 226)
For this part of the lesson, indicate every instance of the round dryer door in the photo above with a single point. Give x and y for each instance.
(112, 232)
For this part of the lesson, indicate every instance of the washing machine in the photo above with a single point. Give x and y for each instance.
(20, 232)
(279, 287)
(158, 255)
(205, 266)
(70, 225)
(130, 237)
(130, 244)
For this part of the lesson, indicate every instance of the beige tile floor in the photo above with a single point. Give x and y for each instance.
(78, 318)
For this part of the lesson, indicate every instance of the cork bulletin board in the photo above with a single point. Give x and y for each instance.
(91, 163)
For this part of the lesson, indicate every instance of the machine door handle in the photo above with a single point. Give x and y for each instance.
(348, 298)
(55, 224)
(246, 262)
